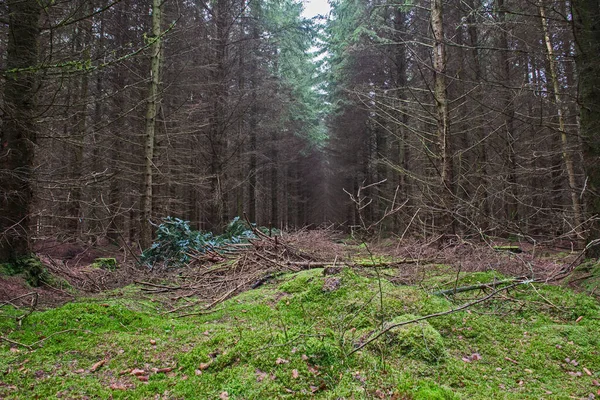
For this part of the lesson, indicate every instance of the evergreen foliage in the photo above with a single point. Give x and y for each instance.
(175, 240)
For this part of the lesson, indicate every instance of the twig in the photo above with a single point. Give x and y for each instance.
(203, 312)
(157, 285)
(412, 321)
(15, 343)
(30, 346)
(17, 298)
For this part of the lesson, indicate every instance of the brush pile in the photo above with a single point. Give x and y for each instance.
(214, 273)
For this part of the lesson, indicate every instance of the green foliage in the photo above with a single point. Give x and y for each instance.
(175, 239)
(30, 267)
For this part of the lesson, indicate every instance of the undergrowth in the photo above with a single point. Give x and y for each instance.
(292, 339)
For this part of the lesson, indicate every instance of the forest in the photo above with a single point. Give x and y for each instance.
(376, 179)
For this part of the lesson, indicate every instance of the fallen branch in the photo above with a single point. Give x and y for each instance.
(319, 264)
(18, 298)
(412, 321)
(481, 286)
(30, 346)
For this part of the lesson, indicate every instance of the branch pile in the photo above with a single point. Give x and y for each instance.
(213, 275)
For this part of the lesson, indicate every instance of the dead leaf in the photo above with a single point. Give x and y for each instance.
(573, 373)
(198, 372)
(14, 350)
(96, 366)
(137, 372)
(322, 386)
(295, 374)
(118, 386)
(466, 359)
(595, 383)
(380, 394)
(529, 371)
(587, 371)
(579, 319)
(260, 376)
(304, 357)
(143, 378)
(280, 361)
(224, 396)
(164, 370)
(204, 366)
(125, 372)
(153, 342)
(313, 370)
(511, 360)
(359, 377)
(475, 356)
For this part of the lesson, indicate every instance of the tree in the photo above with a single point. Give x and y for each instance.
(18, 128)
(151, 114)
(587, 33)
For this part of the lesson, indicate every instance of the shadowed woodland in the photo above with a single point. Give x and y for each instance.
(475, 118)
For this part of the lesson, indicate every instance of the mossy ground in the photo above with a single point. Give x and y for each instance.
(291, 339)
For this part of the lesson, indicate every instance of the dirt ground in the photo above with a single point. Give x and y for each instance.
(73, 274)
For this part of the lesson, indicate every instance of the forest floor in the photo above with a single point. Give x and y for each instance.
(311, 314)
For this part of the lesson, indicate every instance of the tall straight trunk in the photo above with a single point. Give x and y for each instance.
(566, 154)
(151, 114)
(274, 181)
(18, 134)
(403, 150)
(508, 110)
(443, 121)
(482, 157)
(218, 130)
(82, 46)
(586, 24)
(253, 126)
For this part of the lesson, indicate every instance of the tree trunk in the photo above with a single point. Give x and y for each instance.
(566, 155)
(587, 34)
(18, 128)
(151, 113)
(443, 121)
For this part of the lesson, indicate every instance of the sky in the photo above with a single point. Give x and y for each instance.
(315, 7)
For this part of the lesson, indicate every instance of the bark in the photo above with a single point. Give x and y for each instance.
(443, 120)
(18, 134)
(151, 114)
(566, 154)
(586, 24)
(508, 110)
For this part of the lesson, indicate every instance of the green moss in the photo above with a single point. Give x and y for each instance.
(431, 391)
(303, 281)
(419, 341)
(312, 331)
(105, 263)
